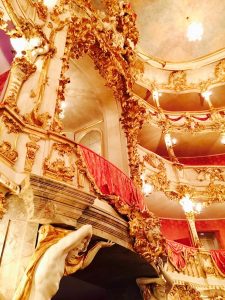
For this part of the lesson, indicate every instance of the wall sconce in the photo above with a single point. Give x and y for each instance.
(155, 96)
(50, 3)
(190, 207)
(170, 142)
(147, 189)
(206, 95)
(19, 45)
(222, 140)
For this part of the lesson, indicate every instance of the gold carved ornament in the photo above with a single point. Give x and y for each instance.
(185, 292)
(177, 81)
(207, 264)
(2, 205)
(20, 71)
(144, 227)
(11, 125)
(32, 148)
(57, 125)
(159, 178)
(83, 170)
(115, 62)
(35, 117)
(8, 153)
(108, 38)
(58, 169)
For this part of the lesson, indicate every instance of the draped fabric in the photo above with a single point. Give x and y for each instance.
(197, 117)
(218, 257)
(49, 237)
(174, 119)
(179, 254)
(3, 78)
(111, 180)
(205, 118)
(218, 160)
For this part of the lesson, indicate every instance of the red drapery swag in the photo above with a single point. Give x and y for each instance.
(218, 160)
(218, 257)
(179, 254)
(111, 180)
(3, 78)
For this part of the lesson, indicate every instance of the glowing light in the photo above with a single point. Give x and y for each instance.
(142, 177)
(206, 95)
(147, 189)
(50, 3)
(34, 42)
(63, 105)
(61, 115)
(195, 31)
(19, 45)
(168, 140)
(222, 138)
(198, 207)
(187, 204)
(156, 96)
(174, 141)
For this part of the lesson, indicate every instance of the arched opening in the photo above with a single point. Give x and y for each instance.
(93, 140)
(112, 275)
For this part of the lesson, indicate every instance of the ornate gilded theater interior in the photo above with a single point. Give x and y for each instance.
(112, 150)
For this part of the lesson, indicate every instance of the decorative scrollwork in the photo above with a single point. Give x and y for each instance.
(8, 153)
(186, 292)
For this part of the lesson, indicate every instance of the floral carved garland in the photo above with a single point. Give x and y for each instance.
(144, 228)
(116, 64)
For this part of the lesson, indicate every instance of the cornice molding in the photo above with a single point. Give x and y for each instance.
(196, 63)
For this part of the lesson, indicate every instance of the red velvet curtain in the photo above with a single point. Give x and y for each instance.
(179, 254)
(111, 180)
(218, 160)
(3, 78)
(218, 257)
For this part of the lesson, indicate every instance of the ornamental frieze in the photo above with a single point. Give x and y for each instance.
(177, 81)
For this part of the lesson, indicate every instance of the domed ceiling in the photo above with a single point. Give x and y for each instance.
(163, 26)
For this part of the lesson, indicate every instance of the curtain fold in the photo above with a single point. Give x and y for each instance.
(218, 160)
(179, 254)
(3, 78)
(111, 180)
(218, 257)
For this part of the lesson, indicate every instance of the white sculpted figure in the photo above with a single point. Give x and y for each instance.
(50, 268)
(155, 288)
(50, 263)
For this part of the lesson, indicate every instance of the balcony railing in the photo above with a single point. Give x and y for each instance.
(203, 183)
(198, 267)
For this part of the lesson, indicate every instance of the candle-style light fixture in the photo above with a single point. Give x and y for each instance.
(191, 209)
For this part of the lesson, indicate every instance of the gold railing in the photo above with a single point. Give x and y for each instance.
(26, 149)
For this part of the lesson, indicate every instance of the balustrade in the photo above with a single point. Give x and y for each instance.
(204, 183)
(200, 270)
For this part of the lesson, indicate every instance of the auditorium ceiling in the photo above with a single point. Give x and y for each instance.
(163, 26)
